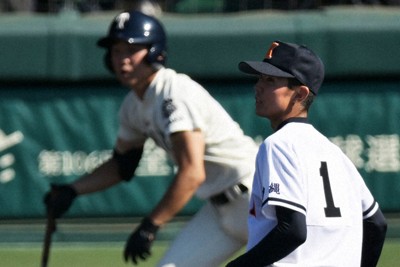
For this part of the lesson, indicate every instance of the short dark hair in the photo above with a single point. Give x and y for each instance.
(292, 82)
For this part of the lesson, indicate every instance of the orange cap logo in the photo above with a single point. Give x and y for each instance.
(274, 45)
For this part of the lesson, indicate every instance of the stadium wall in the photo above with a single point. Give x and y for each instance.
(58, 103)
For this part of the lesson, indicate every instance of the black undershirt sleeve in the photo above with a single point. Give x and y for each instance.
(289, 233)
(374, 232)
(127, 162)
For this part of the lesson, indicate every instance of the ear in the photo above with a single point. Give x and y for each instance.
(302, 92)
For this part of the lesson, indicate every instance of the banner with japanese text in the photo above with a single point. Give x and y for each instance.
(54, 134)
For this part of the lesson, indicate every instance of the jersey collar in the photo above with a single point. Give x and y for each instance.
(295, 119)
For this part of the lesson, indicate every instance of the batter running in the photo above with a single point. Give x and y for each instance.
(214, 159)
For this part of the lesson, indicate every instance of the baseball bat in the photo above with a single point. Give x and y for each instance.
(50, 229)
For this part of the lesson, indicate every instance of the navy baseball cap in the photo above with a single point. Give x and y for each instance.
(289, 61)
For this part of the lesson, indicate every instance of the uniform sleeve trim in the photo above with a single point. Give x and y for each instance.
(285, 203)
(371, 210)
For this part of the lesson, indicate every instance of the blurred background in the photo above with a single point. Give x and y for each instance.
(179, 6)
(58, 103)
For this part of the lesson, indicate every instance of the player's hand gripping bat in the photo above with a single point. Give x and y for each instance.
(57, 200)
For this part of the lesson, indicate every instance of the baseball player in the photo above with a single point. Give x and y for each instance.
(214, 159)
(309, 205)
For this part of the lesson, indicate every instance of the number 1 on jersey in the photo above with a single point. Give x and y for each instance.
(330, 210)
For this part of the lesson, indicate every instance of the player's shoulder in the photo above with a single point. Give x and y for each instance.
(178, 77)
(278, 140)
(181, 86)
(288, 133)
(293, 134)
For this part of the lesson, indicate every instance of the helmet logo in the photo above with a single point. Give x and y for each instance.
(121, 19)
(147, 28)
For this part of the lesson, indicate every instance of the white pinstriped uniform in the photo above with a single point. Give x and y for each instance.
(300, 169)
(172, 103)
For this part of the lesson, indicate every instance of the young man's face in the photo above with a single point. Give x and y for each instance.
(129, 63)
(274, 99)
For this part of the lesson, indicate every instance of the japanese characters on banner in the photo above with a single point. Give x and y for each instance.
(54, 135)
(376, 153)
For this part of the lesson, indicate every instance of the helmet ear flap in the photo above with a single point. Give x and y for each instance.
(157, 54)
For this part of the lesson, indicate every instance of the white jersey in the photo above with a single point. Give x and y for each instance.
(300, 169)
(173, 103)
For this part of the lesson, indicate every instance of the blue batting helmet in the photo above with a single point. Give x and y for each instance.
(135, 27)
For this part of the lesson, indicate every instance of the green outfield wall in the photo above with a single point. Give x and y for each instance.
(58, 104)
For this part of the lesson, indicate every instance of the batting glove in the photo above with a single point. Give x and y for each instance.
(59, 199)
(139, 243)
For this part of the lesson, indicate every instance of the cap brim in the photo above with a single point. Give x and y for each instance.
(258, 67)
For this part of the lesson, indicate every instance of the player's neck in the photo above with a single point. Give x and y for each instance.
(276, 125)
